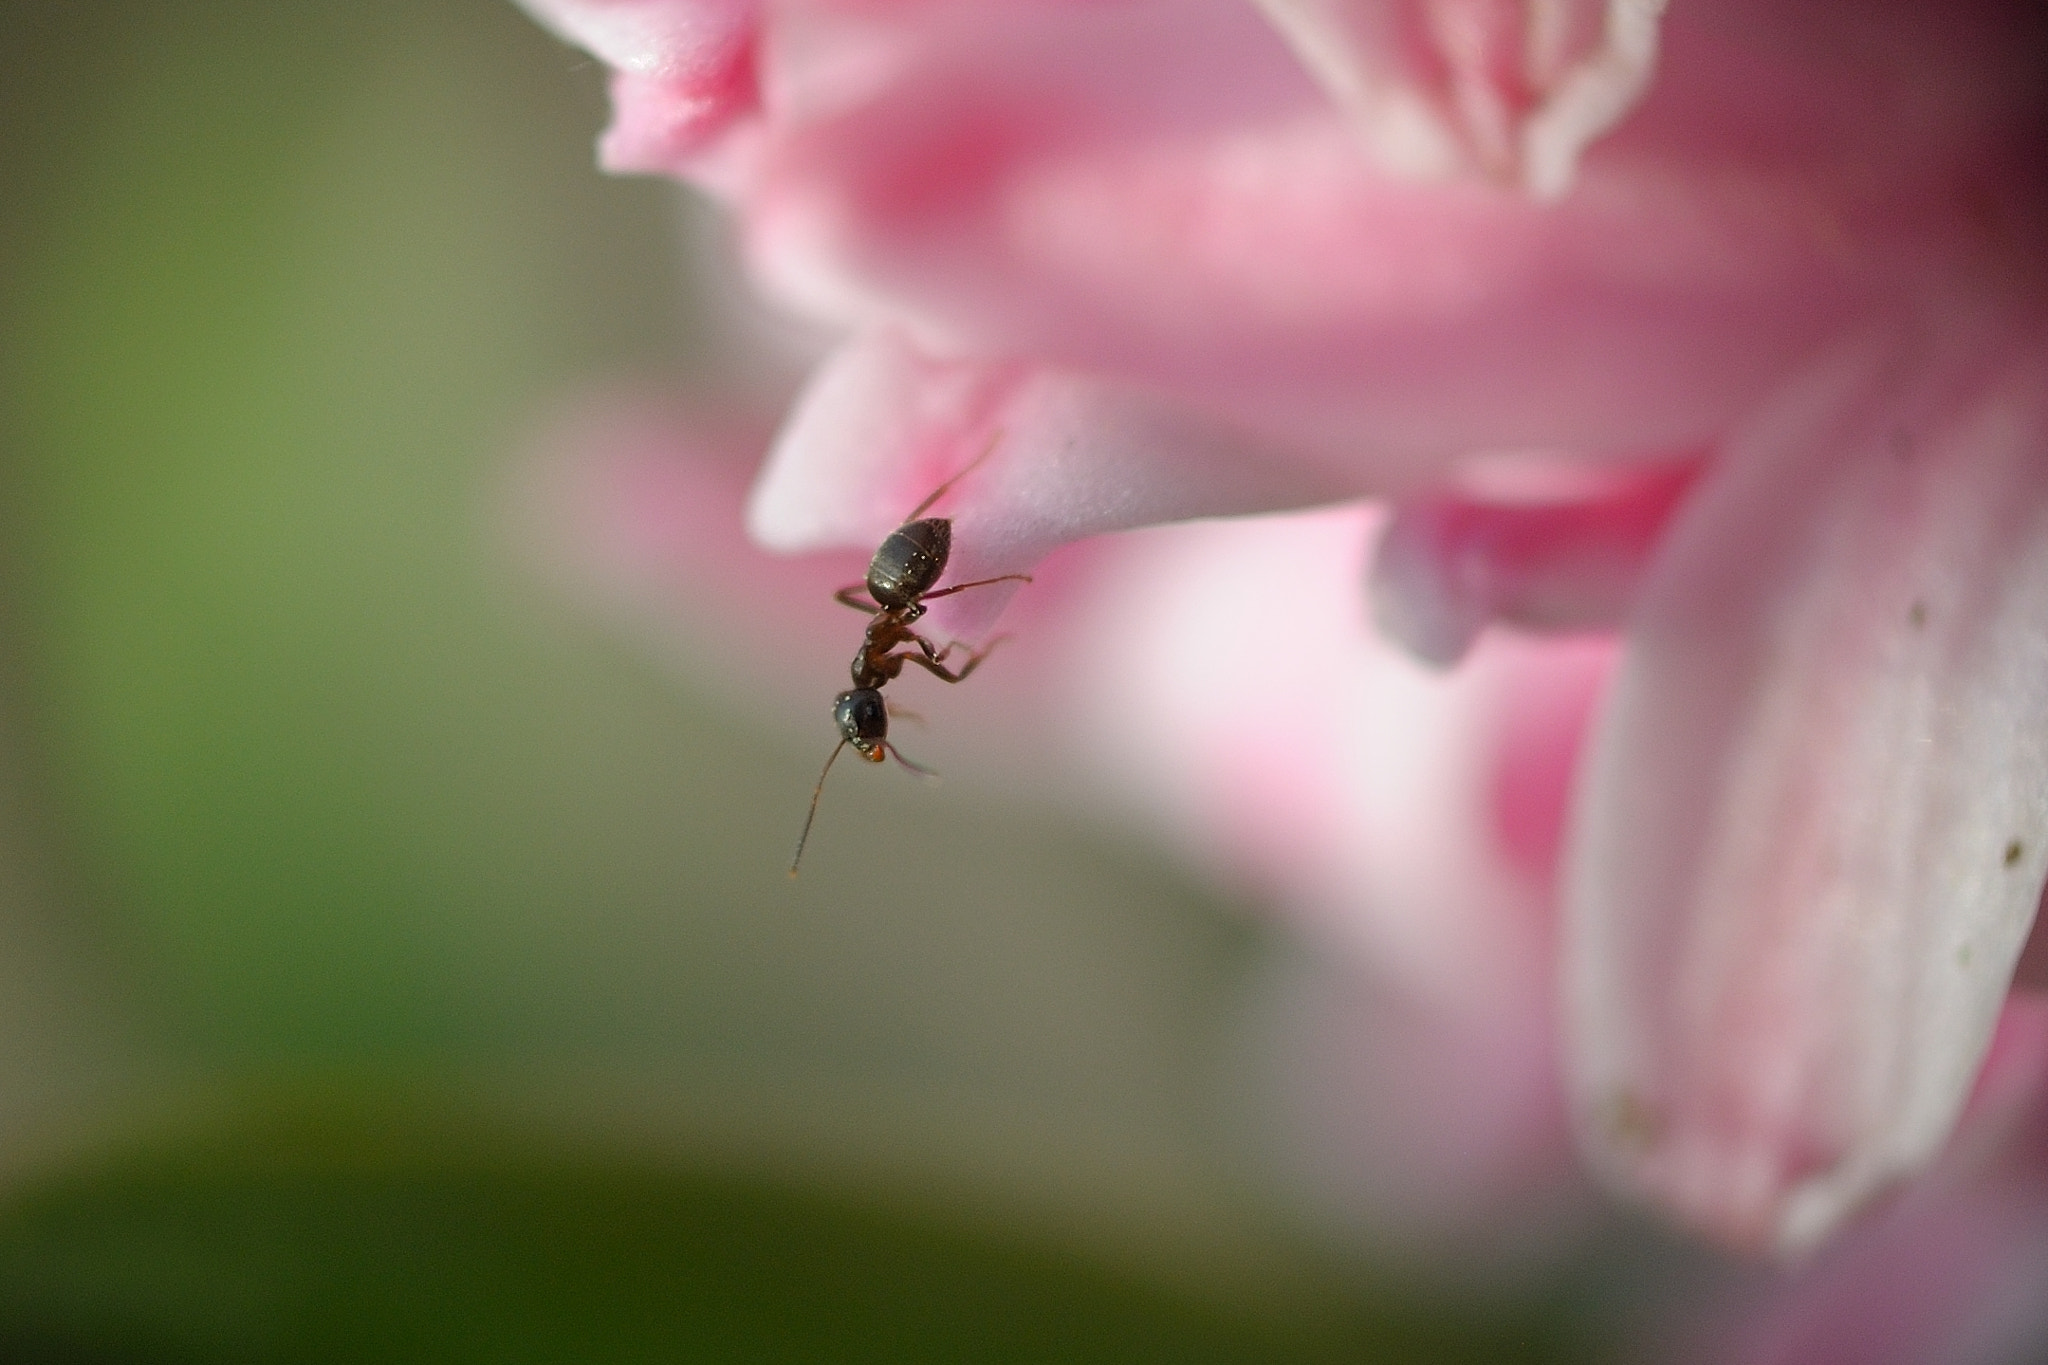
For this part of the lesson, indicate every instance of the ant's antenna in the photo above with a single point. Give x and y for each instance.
(816, 792)
(994, 439)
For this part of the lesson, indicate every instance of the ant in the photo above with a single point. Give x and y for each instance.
(900, 581)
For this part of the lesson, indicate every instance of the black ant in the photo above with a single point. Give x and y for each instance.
(899, 583)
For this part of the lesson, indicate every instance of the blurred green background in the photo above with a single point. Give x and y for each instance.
(394, 966)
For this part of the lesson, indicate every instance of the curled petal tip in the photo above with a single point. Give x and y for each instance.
(1423, 598)
(1447, 567)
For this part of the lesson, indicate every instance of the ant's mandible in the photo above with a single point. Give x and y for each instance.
(901, 579)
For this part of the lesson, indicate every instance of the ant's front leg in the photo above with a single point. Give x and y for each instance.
(870, 607)
(933, 666)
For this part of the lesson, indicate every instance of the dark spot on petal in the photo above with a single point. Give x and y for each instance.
(1901, 442)
(1963, 955)
(2014, 851)
(1917, 614)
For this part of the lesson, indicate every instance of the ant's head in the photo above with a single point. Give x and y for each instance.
(863, 721)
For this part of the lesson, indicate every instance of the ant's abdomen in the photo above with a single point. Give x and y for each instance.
(909, 562)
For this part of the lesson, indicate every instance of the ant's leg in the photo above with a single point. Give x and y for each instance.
(994, 437)
(977, 583)
(932, 651)
(939, 670)
(936, 654)
(841, 596)
(901, 712)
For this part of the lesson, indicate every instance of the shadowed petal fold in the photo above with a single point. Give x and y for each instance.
(1813, 830)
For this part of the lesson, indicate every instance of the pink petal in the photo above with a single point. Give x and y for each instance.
(1155, 193)
(1816, 820)
(670, 40)
(1449, 566)
(675, 127)
(1515, 89)
(881, 426)
(683, 75)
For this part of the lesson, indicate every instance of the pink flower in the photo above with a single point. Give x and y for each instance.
(1725, 327)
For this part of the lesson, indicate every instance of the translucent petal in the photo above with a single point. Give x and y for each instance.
(1815, 824)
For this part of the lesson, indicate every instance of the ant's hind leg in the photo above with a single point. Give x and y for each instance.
(978, 583)
(843, 597)
(974, 658)
(932, 651)
(939, 670)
